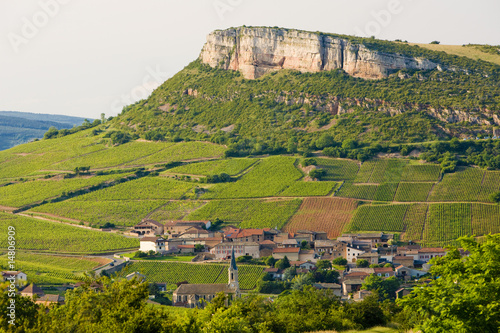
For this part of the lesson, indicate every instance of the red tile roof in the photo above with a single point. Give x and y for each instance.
(432, 250)
(287, 250)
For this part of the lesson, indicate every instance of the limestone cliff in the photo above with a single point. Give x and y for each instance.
(257, 51)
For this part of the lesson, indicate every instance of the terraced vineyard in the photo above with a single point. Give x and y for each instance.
(34, 234)
(379, 217)
(268, 178)
(119, 212)
(413, 191)
(231, 166)
(415, 222)
(304, 189)
(49, 269)
(421, 173)
(463, 185)
(357, 191)
(485, 219)
(446, 222)
(387, 170)
(251, 213)
(176, 210)
(385, 192)
(490, 184)
(173, 272)
(337, 169)
(323, 214)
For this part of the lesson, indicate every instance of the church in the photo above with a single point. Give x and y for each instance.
(197, 295)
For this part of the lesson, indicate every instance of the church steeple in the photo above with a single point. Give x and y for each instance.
(233, 273)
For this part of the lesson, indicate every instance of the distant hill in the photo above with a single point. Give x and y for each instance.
(21, 127)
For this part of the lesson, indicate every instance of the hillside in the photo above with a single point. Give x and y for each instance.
(386, 151)
(21, 127)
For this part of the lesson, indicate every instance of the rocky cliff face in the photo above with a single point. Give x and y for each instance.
(257, 51)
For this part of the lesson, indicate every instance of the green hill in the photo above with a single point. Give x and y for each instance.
(388, 151)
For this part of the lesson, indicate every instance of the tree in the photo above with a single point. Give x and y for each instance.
(270, 261)
(324, 264)
(325, 140)
(386, 287)
(340, 261)
(362, 263)
(199, 248)
(317, 173)
(282, 263)
(495, 197)
(289, 273)
(302, 280)
(464, 295)
(349, 144)
(304, 245)
(51, 133)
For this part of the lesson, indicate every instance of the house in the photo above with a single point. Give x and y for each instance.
(31, 290)
(292, 253)
(188, 248)
(307, 255)
(336, 288)
(156, 244)
(402, 292)
(427, 254)
(384, 272)
(332, 247)
(403, 260)
(21, 279)
(276, 273)
(357, 275)
(408, 273)
(148, 227)
(303, 264)
(179, 227)
(371, 257)
(197, 295)
(49, 299)
(136, 275)
(351, 285)
(224, 250)
(196, 232)
(372, 239)
(268, 244)
(310, 236)
(351, 253)
(286, 243)
(250, 235)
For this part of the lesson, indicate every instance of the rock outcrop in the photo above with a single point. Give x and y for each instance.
(257, 51)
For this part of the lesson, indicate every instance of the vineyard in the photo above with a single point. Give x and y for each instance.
(379, 217)
(413, 192)
(269, 177)
(18, 195)
(173, 272)
(119, 212)
(415, 222)
(49, 269)
(447, 222)
(463, 185)
(485, 219)
(350, 190)
(490, 184)
(251, 213)
(421, 173)
(304, 189)
(323, 214)
(232, 167)
(34, 234)
(385, 192)
(176, 210)
(146, 188)
(337, 169)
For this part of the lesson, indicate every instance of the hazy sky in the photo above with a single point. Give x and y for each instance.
(85, 57)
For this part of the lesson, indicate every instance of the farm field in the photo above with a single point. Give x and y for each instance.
(421, 173)
(173, 272)
(176, 210)
(365, 172)
(18, 195)
(385, 192)
(322, 214)
(387, 170)
(337, 169)
(379, 217)
(485, 219)
(269, 177)
(415, 222)
(413, 192)
(146, 188)
(490, 184)
(350, 190)
(51, 269)
(119, 212)
(251, 213)
(304, 189)
(181, 151)
(231, 166)
(45, 236)
(446, 222)
(463, 185)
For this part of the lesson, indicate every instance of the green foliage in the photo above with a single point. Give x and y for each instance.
(421, 173)
(495, 197)
(302, 189)
(363, 263)
(317, 174)
(463, 295)
(447, 222)
(337, 169)
(282, 263)
(324, 264)
(386, 288)
(413, 191)
(340, 261)
(232, 166)
(380, 217)
(463, 185)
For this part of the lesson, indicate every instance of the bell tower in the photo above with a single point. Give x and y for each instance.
(233, 273)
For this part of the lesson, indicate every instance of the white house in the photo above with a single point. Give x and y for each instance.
(351, 254)
(21, 278)
(223, 250)
(156, 244)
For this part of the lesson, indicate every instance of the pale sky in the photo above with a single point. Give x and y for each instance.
(87, 57)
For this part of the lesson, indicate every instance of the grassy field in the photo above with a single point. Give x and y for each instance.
(268, 178)
(462, 51)
(323, 214)
(50, 269)
(231, 166)
(120, 212)
(251, 213)
(45, 236)
(173, 272)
